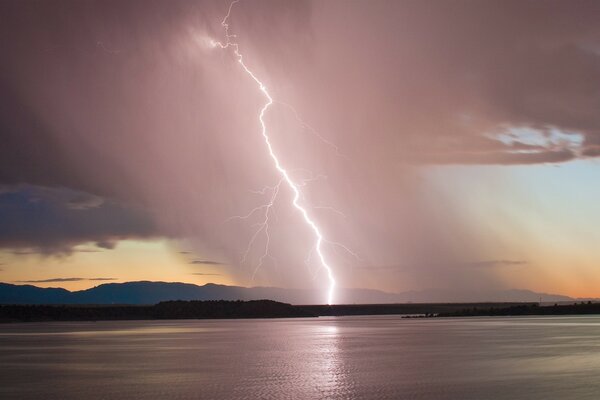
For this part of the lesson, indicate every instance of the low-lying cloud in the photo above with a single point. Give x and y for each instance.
(50, 280)
(40, 220)
(206, 262)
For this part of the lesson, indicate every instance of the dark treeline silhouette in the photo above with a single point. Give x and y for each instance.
(225, 309)
(272, 309)
(398, 309)
(584, 308)
(163, 310)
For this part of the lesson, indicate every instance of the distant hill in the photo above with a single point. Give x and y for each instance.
(145, 292)
(466, 296)
(28, 294)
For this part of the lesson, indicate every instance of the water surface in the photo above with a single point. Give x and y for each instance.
(378, 357)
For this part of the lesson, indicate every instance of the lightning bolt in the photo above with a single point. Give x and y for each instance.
(285, 175)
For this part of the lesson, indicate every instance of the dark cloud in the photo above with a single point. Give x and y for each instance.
(84, 201)
(27, 252)
(53, 280)
(206, 262)
(205, 274)
(591, 151)
(39, 220)
(500, 158)
(105, 244)
(45, 251)
(66, 280)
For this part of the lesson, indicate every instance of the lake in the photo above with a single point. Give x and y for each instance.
(374, 357)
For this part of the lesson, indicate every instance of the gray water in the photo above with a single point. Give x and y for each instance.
(383, 357)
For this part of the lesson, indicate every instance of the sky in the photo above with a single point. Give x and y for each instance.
(437, 144)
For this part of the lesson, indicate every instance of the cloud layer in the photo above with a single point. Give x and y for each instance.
(40, 220)
(123, 122)
(51, 280)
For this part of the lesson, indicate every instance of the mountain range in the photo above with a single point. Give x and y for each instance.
(145, 292)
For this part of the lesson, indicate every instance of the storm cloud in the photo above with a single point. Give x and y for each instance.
(40, 220)
(118, 120)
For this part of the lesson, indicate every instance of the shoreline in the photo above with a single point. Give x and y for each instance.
(224, 309)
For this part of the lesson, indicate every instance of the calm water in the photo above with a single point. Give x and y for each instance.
(334, 358)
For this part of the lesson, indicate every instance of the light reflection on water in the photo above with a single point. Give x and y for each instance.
(379, 357)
